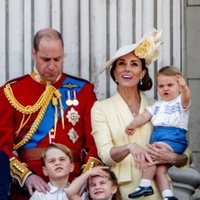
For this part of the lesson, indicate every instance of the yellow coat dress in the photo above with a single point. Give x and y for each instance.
(109, 119)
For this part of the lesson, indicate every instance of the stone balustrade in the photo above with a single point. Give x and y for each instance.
(185, 183)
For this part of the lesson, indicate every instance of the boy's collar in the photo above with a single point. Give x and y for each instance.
(54, 189)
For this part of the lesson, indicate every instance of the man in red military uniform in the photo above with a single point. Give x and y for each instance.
(44, 107)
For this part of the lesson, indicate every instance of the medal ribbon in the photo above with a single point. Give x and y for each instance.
(47, 122)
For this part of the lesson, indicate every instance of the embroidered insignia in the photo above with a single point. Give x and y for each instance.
(72, 116)
(70, 86)
(38, 78)
(92, 162)
(73, 136)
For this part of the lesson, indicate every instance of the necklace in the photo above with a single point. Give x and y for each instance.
(134, 114)
(132, 100)
(134, 109)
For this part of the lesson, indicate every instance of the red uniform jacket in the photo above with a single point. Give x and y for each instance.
(76, 135)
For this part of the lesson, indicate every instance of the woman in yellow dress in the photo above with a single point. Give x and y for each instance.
(124, 153)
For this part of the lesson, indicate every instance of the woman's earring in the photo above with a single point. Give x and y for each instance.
(141, 82)
(116, 81)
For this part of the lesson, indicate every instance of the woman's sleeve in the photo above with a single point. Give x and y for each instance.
(101, 133)
(188, 153)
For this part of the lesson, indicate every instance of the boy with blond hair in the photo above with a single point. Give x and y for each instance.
(57, 165)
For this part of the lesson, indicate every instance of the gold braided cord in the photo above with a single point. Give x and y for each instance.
(62, 113)
(58, 96)
(22, 124)
(25, 109)
(55, 104)
(49, 94)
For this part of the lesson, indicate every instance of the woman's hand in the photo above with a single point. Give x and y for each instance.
(140, 156)
(161, 154)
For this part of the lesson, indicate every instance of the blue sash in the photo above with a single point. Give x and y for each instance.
(47, 122)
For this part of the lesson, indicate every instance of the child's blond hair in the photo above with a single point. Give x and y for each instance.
(59, 146)
(169, 71)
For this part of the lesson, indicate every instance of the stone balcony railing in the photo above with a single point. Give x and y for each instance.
(186, 183)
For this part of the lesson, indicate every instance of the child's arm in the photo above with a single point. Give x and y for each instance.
(76, 186)
(139, 120)
(185, 91)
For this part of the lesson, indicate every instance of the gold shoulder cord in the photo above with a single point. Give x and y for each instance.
(41, 104)
(26, 109)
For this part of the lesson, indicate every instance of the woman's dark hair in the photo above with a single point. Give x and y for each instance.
(112, 177)
(146, 81)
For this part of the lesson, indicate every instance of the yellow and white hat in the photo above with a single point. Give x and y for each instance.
(146, 48)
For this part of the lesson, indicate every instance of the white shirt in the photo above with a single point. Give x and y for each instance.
(169, 113)
(54, 194)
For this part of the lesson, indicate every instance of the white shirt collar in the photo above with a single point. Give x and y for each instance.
(53, 188)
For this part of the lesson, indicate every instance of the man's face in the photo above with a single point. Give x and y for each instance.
(49, 59)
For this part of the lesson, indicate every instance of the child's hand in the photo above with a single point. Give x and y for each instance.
(181, 81)
(98, 171)
(184, 90)
(129, 131)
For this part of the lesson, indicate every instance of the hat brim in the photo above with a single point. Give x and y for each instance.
(121, 52)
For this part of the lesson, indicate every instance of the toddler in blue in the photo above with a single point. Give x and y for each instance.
(169, 117)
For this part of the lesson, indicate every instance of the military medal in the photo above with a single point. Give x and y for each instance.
(75, 102)
(73, 136)
(68, 101)
(72, 116)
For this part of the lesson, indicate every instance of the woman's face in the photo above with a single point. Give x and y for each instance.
(128, 70)
(101, 188)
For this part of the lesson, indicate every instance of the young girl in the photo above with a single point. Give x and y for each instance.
(101, 183)
(169, 117)
(57, 165)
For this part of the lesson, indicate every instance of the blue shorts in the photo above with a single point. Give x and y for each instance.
(174, 137)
